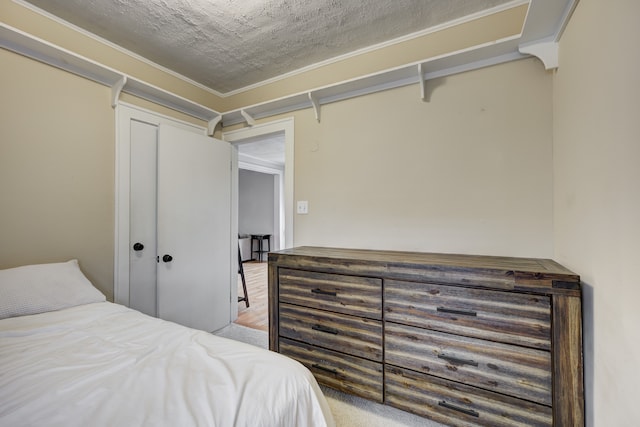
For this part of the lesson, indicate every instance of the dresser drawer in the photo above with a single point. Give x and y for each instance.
(358, 296)
(503, 368)
(507, 317)
(456, 404)
(345, 373)
(356, 336)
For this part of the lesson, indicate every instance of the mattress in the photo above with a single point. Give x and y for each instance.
(102, 364)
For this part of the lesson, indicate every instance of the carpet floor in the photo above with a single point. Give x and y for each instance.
(348, 410)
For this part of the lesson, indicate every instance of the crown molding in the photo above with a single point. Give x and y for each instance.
(392, 42)
(114, 46)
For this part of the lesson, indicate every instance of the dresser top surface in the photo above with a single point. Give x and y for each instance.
(439, 260)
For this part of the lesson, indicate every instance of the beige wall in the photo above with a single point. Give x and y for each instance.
(56, 169)
(57, 166)
(468, 172)
(597, 196)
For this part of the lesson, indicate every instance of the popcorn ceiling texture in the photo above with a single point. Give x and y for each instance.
(229, 44)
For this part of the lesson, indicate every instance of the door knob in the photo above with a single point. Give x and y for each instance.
(167, 258)
(138, 246)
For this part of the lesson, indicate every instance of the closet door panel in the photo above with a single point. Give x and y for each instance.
(142, 222)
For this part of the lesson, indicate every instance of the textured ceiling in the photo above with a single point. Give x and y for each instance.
(230, 44)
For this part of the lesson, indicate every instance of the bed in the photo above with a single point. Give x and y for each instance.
(70, 358)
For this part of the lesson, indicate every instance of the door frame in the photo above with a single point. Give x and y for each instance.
(235, 137)
(124, 113)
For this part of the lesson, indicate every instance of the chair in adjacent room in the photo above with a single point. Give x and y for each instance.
(245, 298)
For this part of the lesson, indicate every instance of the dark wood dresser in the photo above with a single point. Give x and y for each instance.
(464, 340)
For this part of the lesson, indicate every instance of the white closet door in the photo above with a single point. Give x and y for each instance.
(194, 229)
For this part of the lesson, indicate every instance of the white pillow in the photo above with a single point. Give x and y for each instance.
(33, 289)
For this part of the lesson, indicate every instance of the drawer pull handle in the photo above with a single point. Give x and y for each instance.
(459, 409)
(457, 361)
(452, 311)
(321, 292)
(325, 329)
(322, 368)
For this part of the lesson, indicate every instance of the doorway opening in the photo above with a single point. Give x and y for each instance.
(264, 198)
(260, 221)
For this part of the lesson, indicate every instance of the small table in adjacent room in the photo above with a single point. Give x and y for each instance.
(260, 239)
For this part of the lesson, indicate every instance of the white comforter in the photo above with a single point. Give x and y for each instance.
(103, 364)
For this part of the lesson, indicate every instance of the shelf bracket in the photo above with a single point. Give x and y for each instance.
(250, 120)
(211, 126)
(316, 105)
(116, 89)
(423, 84)
(547, 52)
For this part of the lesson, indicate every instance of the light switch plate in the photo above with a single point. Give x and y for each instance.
(303, 207)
